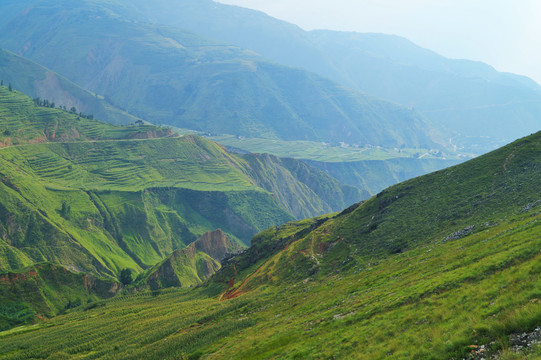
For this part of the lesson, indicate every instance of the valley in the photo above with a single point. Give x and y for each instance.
(346, 284)
(193, 180)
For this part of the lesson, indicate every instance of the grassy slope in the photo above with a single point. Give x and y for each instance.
(376, 175)
(47, 290)
(37, 81)
(369, 168)
(125, 198)
(24, 122)
(380, 280)
(130, 202)
(190, 266)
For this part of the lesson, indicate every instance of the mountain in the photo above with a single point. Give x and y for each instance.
(478, 107)
(473, 101)
(192, 265)
(445, 265)
(99, 198)
(39, 82)
(171, 76)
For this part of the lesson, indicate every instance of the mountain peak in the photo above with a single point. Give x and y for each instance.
(215, 244)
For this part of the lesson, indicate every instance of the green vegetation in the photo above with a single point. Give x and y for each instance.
(47, 290)
(371, 169)
(109, 200)
(426, 269)
(192, 265)
(22, 121)
(318, 151)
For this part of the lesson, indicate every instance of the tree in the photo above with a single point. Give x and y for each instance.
(66, 210)
(10, 88)
(126, 276)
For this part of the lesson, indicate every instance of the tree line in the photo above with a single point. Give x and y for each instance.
(50, 104)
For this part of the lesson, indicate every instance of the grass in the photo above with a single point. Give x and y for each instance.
(101, 198)
(24, 122)
(419, 304)
(413, 286)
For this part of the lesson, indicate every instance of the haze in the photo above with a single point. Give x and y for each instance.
(502, 33)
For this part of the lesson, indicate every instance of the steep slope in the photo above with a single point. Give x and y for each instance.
(39, 82)
(191, 265)
(376, 175)
(47, 290)
(443, 241)
(25, 121)
(442, 266)
(171, 76)
(288, 178)
(470, 99)
(107, 198)
(473, 197)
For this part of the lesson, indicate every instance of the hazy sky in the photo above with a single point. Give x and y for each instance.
(503, 33)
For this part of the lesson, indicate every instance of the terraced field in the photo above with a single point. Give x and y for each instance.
(101, 198)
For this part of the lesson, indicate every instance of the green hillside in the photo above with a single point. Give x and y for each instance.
(39, 82)
(23, 121)
(48, 290)
(171, 76)
(438, 267)
(103, 198)
(376, 175)
(192, 265)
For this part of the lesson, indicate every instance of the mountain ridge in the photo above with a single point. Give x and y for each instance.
(386, 66)
(208, 82)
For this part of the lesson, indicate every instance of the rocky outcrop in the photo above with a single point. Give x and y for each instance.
(460, 234)
(193, 264)
(215, 244)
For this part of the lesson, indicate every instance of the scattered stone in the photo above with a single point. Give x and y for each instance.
(460, 234)
(531, 205)
(520, 343)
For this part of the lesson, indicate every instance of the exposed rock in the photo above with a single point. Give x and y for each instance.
(460, 234)
(530, 206)
(215, 244)
(520, 343)
(193, 264)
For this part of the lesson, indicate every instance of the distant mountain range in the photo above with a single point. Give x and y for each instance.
(171, 76)
(470, 102)
(38, 82)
